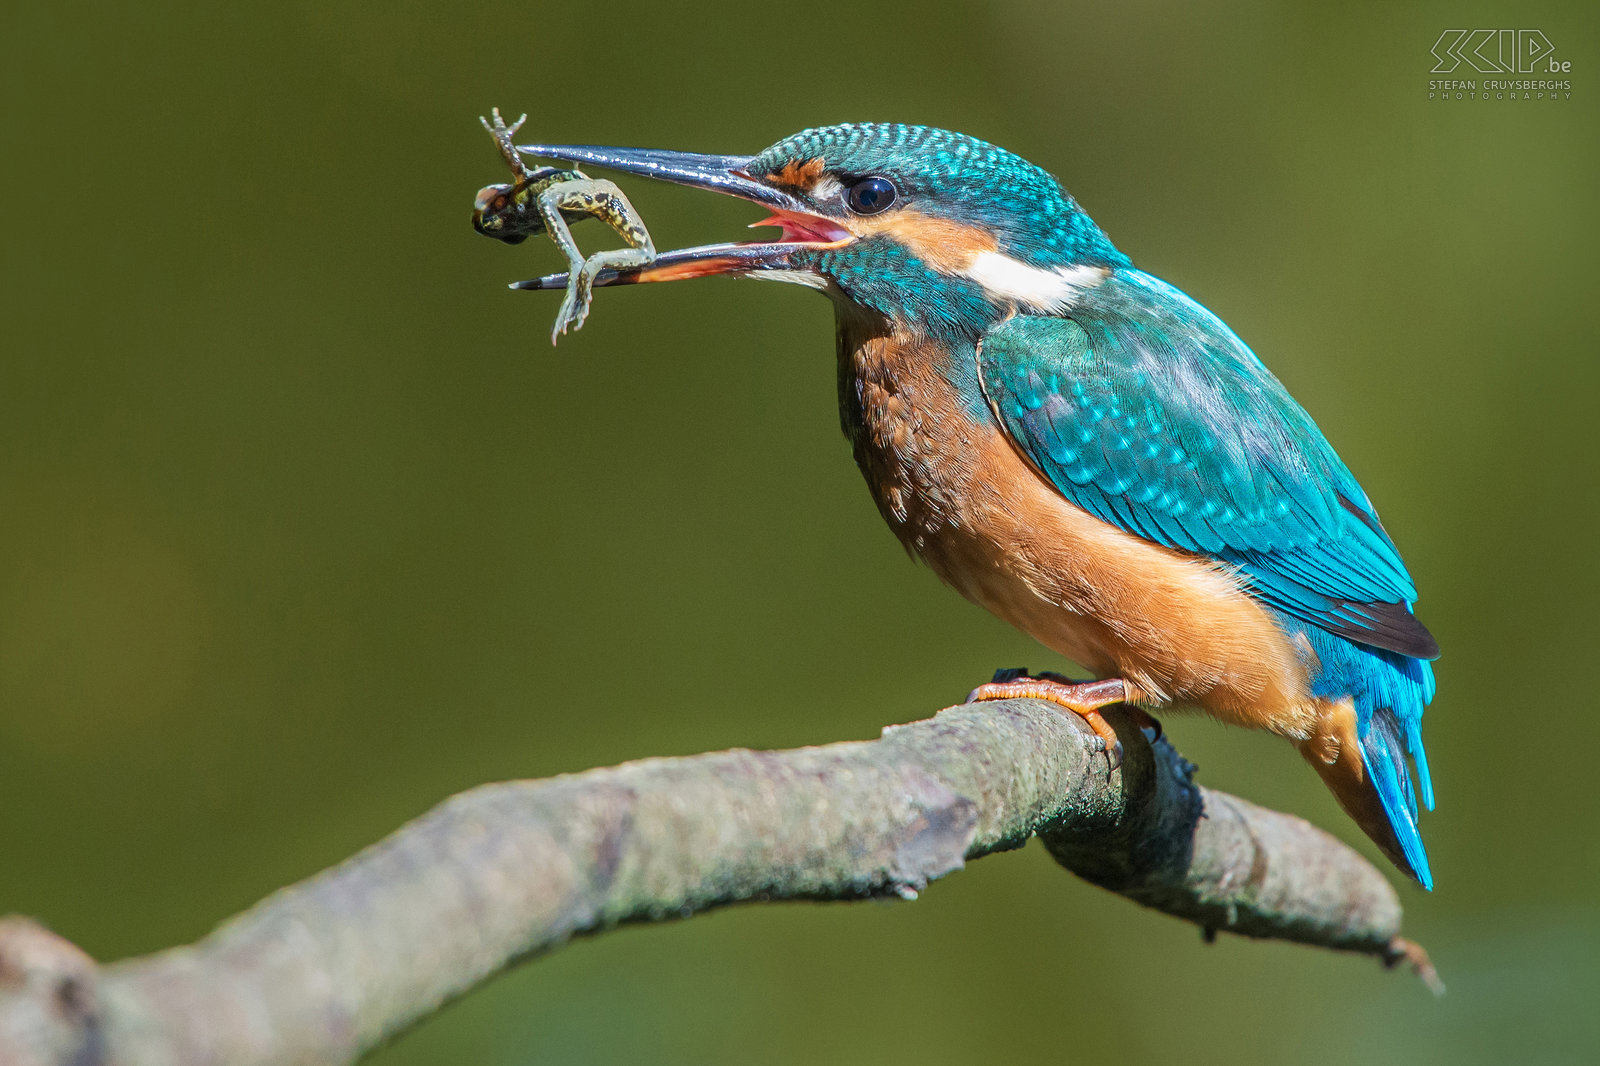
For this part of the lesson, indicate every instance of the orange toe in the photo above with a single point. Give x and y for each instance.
(1083, 699)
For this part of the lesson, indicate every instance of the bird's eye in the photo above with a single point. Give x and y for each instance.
(870, 195)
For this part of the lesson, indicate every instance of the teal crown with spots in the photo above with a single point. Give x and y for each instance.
(954, 176)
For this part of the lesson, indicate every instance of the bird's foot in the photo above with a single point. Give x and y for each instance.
(1082, 698)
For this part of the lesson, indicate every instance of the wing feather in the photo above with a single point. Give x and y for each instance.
(1143, 408)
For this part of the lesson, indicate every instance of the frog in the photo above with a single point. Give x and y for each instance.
(548, 200)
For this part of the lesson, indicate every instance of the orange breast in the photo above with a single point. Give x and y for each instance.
(959, 495)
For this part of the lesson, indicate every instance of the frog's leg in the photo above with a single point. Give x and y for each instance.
(502, 135)
(603, 200)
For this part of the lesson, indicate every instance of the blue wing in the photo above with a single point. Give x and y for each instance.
(1144, 409)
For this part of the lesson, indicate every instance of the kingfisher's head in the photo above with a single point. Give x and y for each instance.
(913, 223)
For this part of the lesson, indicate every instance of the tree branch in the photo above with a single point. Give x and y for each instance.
(325, 970)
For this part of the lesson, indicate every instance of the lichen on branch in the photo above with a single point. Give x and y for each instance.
(327, 969)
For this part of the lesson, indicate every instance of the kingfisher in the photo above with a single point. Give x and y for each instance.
(1084, 450)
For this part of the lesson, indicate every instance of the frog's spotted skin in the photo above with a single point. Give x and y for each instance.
(547, 199)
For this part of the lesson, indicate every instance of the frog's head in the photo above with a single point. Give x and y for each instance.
(504, 213)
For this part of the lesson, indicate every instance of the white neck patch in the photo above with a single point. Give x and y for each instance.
(1036, 288)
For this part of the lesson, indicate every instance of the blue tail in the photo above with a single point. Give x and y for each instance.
(1389, 692)
(1385, 761)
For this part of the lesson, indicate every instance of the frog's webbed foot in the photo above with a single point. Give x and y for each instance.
(573, 310)
(582, 285)
(498, 129)
(603, 200)
(502, 135)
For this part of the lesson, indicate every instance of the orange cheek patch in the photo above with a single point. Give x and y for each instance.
(798, 175)
(949, 247)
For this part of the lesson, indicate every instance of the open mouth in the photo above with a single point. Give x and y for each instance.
(804, 228)
(800, 228)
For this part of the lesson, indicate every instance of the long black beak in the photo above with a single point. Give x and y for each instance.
(719, 173)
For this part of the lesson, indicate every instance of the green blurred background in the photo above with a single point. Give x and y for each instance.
(304, 525)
